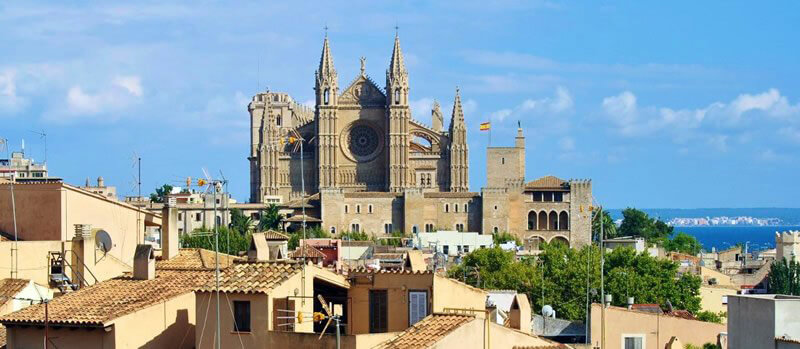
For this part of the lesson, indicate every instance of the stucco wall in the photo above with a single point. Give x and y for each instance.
(475, 334)
(751, 322)
(655, 329)
(33, 338)
(168, 324)
(397, 287)
(711, 298)
(38, 208)
(33, 262)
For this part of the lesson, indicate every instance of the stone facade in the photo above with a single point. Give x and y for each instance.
(379, 171)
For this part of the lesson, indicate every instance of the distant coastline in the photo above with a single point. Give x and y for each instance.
(722, 217)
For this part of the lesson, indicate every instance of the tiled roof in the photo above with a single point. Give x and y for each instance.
(647, 308)
(546, 182)
(787, 340)
(309, 252)
(299, 218)
(10, 288)
(103, 302)
(274, 235)
(253, 277)
(2, 336)
(354, 243)
(683, 314)
(387, 271)
(427, 332)
(196, 259)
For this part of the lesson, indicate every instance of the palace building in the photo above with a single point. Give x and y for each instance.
(367, 165)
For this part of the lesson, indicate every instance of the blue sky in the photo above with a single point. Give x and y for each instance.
(663, 104)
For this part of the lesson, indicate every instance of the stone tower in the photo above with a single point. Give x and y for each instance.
(787, 245)
(270, 149)
(399, 116)
(459, 154)
(327, 92)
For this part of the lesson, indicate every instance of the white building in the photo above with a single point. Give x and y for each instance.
(763, 321)
(453, 243)
(20, 167)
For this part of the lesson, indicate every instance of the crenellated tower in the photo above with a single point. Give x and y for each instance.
(327, 92)
(459, 153)
(399, 116)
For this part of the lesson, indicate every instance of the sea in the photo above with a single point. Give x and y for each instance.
(722, 237)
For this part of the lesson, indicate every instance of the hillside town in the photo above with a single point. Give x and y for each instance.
(361, 229)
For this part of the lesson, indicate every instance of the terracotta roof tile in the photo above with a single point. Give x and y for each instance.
(309, 252)
(546, 182)
(427, 332)
(10, 288)
(103, 302)
(2, 336)
(196, 259)
(647, 308)
(253, 277)
(274, 235)
(299, 218)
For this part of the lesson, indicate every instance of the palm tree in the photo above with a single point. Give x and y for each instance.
(270, 218)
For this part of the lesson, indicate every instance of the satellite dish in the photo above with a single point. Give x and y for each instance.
(103, 241)
(548, 311)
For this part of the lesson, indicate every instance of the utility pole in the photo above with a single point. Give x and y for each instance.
(602, 288)
(216, 263)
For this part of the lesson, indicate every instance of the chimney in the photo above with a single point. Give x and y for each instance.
(520, 313)
(630, 303)
(259, 250)
(144, 263)
(82, 258)
(169, 229)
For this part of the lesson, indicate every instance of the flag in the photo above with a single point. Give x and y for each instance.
(486, 126)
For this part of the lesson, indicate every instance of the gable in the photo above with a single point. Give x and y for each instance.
(363, 92)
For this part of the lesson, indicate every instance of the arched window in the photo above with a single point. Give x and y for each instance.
(459, 227)
(397, 96)
(553, 221)
(414, 230)
(278, 120)
(219, 221)
(369, 208)
(563, 221)
(502, 161)
(387, 228)
(495, 230)
(455, 208)
(446, 208)
(542, 220)
(465, 207)
(346, 208)
(355, 227)
(325, 96)
(429, 228)
(532, 220)
(358, 209)
(333, 230)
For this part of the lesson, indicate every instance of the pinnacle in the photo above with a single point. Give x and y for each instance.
(397, 65)
(326, 60)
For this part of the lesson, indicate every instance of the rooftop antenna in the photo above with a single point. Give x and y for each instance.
(42, 135)
(215, 185)
(15, 249)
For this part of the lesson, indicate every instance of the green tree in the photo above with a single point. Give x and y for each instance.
(161, 193)
(396, 239)
(609, 228)
(710, 316)
(683, 243)
(230, 241)
(270, 218)
(354, 236)
(503, 237)
(784, 277)
(239, 222)
(638, 223)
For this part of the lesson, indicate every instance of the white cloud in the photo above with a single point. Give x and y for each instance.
(560, 103)
(770, 102)
(131, 83)
(10, 101)
(421, 109)
(122, 92)
(567, 144)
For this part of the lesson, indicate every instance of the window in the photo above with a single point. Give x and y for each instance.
(355, 227)
(325, 96)
(397, 96)
(241, 316)
(346, 208)
(180, 230)
(378, 311)
(465, 208)
(333, 230)
(455, 208)
(558, 196)
(429, 228)
(180, 216)
(466, 248)
(369, 208)
(278, 120)
(417, 306)
(538, 196)
(483, 246)
(414, 230)
(495, 230)
(459, 227)
(197, 217)
(634, 342)
(502, 161)
(446, 249)
(495, 207)
(358, 208)
(219, 220)
(255, 216)
(446, 208)
(387, 228)
(458, 247)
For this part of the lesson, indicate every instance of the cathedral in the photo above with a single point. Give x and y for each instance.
(359, 162)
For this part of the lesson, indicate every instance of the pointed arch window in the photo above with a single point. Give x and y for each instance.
(397, 96)
(326, 96)
(278, 120)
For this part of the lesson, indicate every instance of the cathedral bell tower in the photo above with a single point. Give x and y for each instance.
(327, 92)
(399, 116)
(459, 153)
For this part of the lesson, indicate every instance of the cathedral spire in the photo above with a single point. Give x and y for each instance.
(326, 60)
(459, 150)
(397, 66)
(458, 113)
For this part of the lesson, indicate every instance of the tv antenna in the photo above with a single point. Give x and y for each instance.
(216, 185)
(42, 135)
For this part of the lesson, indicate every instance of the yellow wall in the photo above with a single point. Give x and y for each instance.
(722, 279)
(656, 329)
(33, 259)
(33, 338)
(449, 293)
(474, 334)
(711, 298)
